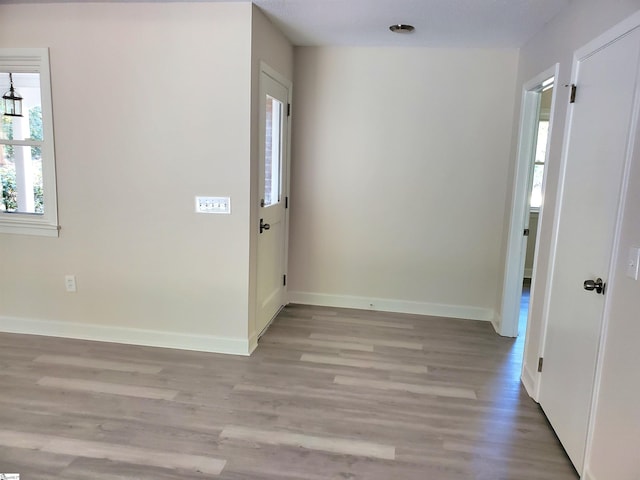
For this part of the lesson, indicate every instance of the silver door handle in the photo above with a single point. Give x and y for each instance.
(598, 285)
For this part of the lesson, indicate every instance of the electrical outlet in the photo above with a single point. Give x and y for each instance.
(213, 205)
(70, 283)
(632, 262)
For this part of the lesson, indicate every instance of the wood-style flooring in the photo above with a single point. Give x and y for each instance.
(328, 394)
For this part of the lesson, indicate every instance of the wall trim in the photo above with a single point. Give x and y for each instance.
(253, 342)
(516, 243)
(529, 381)
(587, 475)
(392, 305)
(125, 335)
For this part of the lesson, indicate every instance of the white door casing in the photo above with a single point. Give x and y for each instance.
(273, 191)
(519, 218)
(594, 160)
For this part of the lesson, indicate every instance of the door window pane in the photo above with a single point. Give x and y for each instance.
(538, 169)
(273, 151)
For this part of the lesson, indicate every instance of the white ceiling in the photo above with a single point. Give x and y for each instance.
(439, 23)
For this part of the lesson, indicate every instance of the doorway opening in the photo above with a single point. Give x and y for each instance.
(538, 162)
(536, 123)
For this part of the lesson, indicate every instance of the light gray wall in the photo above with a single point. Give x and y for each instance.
(398, 177)
(151, 107)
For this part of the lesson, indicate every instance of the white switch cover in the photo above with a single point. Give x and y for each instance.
(70, 283)
(213, 205)
(632, 263)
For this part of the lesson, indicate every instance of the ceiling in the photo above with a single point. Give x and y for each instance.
(438, 23)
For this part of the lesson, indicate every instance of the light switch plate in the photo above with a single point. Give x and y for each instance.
(632, 262)
(213, 205)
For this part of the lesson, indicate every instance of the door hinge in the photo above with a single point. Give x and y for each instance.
(288, 109)
(284, 280)
(286, 202)
(540, 360)
(574, 89)
(526, 232)
(262, 202)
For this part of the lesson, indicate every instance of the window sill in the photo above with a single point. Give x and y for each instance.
(28, 228)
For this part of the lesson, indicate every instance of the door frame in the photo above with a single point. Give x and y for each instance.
(266, 69)
(516, 243)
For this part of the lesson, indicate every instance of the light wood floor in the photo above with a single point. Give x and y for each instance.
(328, 394)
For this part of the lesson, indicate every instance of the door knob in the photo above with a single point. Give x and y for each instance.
(597, 285)
(264, 226)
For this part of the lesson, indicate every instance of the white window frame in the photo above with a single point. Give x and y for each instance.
(35, 60)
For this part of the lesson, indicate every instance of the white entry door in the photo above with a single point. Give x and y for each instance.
(592, 180)
(272, 236)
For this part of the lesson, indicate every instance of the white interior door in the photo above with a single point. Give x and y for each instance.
(272, 236)
(594, 165)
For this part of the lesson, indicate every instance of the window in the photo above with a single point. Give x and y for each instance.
(272, 151)
(544, 113)
(27, 163)
(538, 165)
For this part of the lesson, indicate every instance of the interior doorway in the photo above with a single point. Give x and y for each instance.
(538, 163)
(536, 123)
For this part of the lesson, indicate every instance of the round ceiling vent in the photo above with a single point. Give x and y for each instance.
(401, 28)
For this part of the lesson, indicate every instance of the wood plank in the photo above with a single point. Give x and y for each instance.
(111, 388)
(340, 446)
(437, 390)
(116, 453)
(369, 341)
(97, 364)
(357, 363)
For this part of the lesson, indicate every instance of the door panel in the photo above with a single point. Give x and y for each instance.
(585, 236)
(272, 234)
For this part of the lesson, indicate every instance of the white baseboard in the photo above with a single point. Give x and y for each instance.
(253, 342)
(130, 336)
(389, 305)
(497, 323)
(529, 381)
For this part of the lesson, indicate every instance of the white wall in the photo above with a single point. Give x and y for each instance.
(398, 177)
(268, 45)
(151, 107)
(616, 434)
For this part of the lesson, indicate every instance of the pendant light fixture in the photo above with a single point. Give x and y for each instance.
(12, 101)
